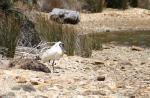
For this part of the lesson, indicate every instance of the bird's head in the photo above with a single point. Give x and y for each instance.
(61, 45)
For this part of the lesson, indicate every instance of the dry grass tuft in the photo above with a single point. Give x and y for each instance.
(9, 33)
(52, 32)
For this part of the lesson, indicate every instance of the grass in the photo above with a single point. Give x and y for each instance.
(95, 5)
(52, 32)
(75, 44)
(9, 33)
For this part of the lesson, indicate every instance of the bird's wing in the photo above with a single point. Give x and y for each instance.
(49, 54)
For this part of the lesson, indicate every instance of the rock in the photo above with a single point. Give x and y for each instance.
(16, 88)
(122, 68)
(94, 92)
(97, 63)
(8, 95)
(40, 96)
(135, 48)
(29, 64)
(27, 88)
(36, 81)
(20, 79)
(101, 78)
(132, 96)
(65, 16)
(117, 96)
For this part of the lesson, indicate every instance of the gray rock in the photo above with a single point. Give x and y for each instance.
(16, 88)
(8, 95)
(65, 16)
(27, 88)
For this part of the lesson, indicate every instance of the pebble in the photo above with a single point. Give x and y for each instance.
(135, 48)
(27, 88)
(101, 78)
(20, 79)
(8, 95)
(40, 96)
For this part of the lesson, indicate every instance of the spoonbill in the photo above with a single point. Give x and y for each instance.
(54, 53)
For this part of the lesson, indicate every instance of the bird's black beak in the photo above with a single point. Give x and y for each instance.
(63, 47)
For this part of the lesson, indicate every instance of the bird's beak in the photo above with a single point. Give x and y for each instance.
(63, 48)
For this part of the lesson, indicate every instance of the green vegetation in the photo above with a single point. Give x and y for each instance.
(9, 33)
(10, 26)
(53, 32)
(120, 4)
(95, 5)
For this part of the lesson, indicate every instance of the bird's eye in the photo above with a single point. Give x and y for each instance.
(61, 45)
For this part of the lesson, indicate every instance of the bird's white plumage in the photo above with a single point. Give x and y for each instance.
(54, 53)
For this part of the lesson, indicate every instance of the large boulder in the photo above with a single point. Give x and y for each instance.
(65, 16)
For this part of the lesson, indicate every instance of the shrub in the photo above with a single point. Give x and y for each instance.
(9, 33)
(121, 4)
(95, 5)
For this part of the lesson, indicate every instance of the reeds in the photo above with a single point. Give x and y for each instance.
(9, 33)
(52, 32)
(95, 5)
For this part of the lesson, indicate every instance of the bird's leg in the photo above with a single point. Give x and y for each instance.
(53, 64)
(49, 61)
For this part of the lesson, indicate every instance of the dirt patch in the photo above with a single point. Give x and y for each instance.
(114, 72)
(133, 19)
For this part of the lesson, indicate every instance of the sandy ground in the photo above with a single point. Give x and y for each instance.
(115, 20)
(114, 72)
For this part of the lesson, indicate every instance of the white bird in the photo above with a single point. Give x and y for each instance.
(54, 53)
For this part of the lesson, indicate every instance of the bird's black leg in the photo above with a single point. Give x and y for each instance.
(53, 64)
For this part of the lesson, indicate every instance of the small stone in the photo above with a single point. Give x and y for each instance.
(94, 92)
(123, 68)
(34, 83)
(135, 48)
(97, 63)
(8, 95)
(101, 78)
(20, 79)
(142, 63)
(132, 96)
(40, 96)
(28, 88)
(107, 30)
(16, 88)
